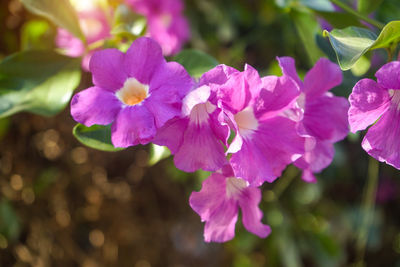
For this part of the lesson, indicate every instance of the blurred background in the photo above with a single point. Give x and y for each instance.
(63, 204)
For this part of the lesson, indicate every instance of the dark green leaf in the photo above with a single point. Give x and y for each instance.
(307, 27)
(195, 61)
(96, 136)
(40, 82)
(339, 19)
(60, 12)
(368, 6)
(10, 225)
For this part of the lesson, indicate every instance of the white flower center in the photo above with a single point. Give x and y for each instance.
(234, 187)
(246, 121)
(133, 92)
(201, 112)
(395, 94)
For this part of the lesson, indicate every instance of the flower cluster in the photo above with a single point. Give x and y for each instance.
(378, 103)
(274, 121)
(166, 25)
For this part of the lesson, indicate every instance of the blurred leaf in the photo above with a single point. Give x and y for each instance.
(40, 82)
(4, 126)
(353, 42)
(195, 62)
(10, 225)
(368, 6)
(96, 136)
(45, 179)
(339, 19)
(350, 44)
(307, 27)
(37, 34)
(157, 153)
(361, 66)
(60, 12)
(320, 5)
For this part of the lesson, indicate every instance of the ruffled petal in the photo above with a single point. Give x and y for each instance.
(388, 75)
(107, 69)
(95, 106)
(221, 226)
(142, 59)
(326, 117)
(322, 77)
(171, 134)
(200, 149)
(279, 93)
(382, 139)
(288, 67)
(218, 75)
(251, 213)
(134, 125)
(368, 102)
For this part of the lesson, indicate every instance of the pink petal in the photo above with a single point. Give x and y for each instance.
(171, 134)
(134, 125)
(251, 214)
(107, 69)
(142, 59)
(95, 106)
(382, 139)
(389, 75)
(368, 102)
(288, 67)
(322, 77)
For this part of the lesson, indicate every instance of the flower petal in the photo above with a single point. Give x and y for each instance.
(382, 139)
(107, 69)
(322, 77)
(171, 134)
(251, 213)
(142, 59)
(388, 75)
(288, 67)
(326, 117)
(134, 125)
(95, 106)
(368, 101)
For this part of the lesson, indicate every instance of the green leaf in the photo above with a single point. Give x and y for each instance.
(368, 6)
(157, 153)
(37, 34)
(339, 19)
(128, 24)
(40, 82)
(60, 12)
(96, 136)
(10, 224)
(307, 28)
(195, 62)
(320, 5)
(353, 42)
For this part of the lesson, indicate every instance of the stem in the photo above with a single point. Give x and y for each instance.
(368, 206)
(358, 15)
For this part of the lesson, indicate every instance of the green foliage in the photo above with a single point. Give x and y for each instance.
(60, 12)
(195, 61)
(353, 42)
(10, 225)
(128, 24)
(37, 34)
(40, 82)
(157, 153)
(96, 136)
(368, 6)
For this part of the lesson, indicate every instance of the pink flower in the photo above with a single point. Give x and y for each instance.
(378, 104)
(94, 26)
(138, 92)
(166, 24)
(324, 118)
(218, 204)
(265, 142)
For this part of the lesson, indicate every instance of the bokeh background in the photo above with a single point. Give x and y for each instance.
(63, 204)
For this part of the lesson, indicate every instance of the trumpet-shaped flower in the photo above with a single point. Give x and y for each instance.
(265, 143)
(218, 204)
(324, 116)
(166, 24)
(95, 27)
(378, 104)
(138, 92)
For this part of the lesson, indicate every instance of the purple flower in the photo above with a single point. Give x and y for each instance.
(138, 92)
(94, 26)
(217, 204)
(197, 138)
(324, 118)
(265, 142)
(378, 104)
(166, 24)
